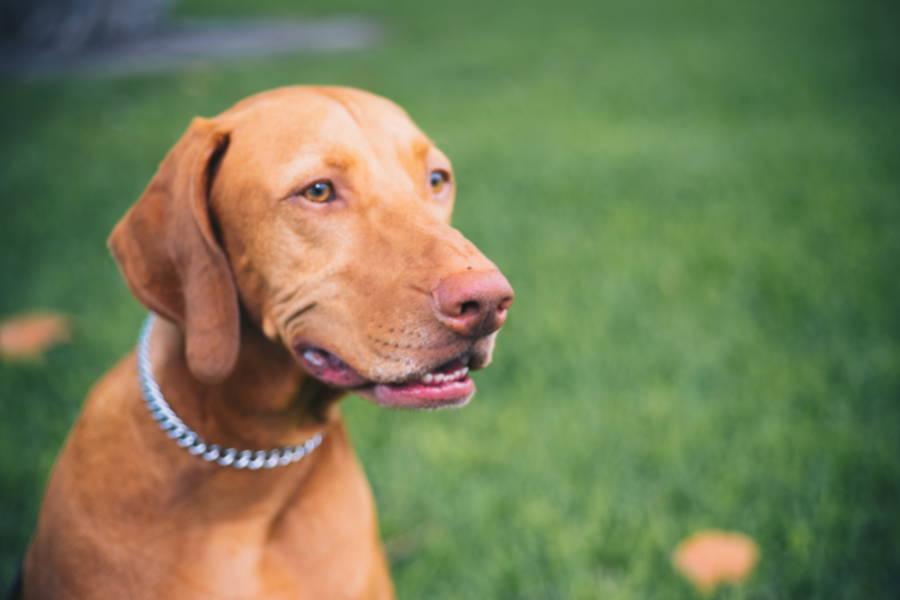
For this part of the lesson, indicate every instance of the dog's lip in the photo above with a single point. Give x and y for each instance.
(327, 367)
(448, 384)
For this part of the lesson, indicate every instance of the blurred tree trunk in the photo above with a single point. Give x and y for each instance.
(69, 25)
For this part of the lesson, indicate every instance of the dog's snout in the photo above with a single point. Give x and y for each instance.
(473, 303)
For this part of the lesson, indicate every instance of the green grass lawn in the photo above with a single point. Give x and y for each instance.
(699, 207)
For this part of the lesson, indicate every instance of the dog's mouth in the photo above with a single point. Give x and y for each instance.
(446, 385)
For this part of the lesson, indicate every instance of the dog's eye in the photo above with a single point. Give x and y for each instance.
(319, 192)
(438, 180)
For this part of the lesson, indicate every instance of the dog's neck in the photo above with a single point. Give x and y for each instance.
(267, 401)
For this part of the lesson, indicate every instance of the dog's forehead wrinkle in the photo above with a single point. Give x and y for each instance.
(367, 109)
(351, 108)
(364, 124)
(385, 133)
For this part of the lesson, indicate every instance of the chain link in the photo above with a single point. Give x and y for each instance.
(188, 439)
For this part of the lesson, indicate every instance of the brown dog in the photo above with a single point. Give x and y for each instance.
(295, 247)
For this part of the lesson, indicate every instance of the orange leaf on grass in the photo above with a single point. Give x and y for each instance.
(711, 557)
(30, 335)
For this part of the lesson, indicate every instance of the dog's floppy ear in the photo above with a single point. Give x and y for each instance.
(167, 251)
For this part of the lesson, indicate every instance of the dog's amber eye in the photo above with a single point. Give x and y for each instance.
(438, 180)
(319, 192)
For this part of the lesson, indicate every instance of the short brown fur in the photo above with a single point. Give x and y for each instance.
(222, 248)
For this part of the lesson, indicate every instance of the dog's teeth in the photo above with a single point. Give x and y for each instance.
(452, 376)
(314, 357)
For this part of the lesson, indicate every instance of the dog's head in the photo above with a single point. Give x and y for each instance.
(321, 215)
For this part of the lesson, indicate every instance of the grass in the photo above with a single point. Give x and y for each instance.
(699, 207)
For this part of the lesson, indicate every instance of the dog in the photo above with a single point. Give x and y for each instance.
(294, 248)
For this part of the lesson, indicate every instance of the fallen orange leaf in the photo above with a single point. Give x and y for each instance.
(30, 335)
(711, 557)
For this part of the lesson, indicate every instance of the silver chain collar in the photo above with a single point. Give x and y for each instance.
(188, 439)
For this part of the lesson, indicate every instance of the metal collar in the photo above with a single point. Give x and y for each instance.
(188, 439)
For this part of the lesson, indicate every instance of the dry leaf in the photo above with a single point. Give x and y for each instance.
(30, 335)
(709, 558)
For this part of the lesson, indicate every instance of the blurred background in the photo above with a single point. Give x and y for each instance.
(697, 202)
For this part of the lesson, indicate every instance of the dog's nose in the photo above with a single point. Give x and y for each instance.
(473, 303)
